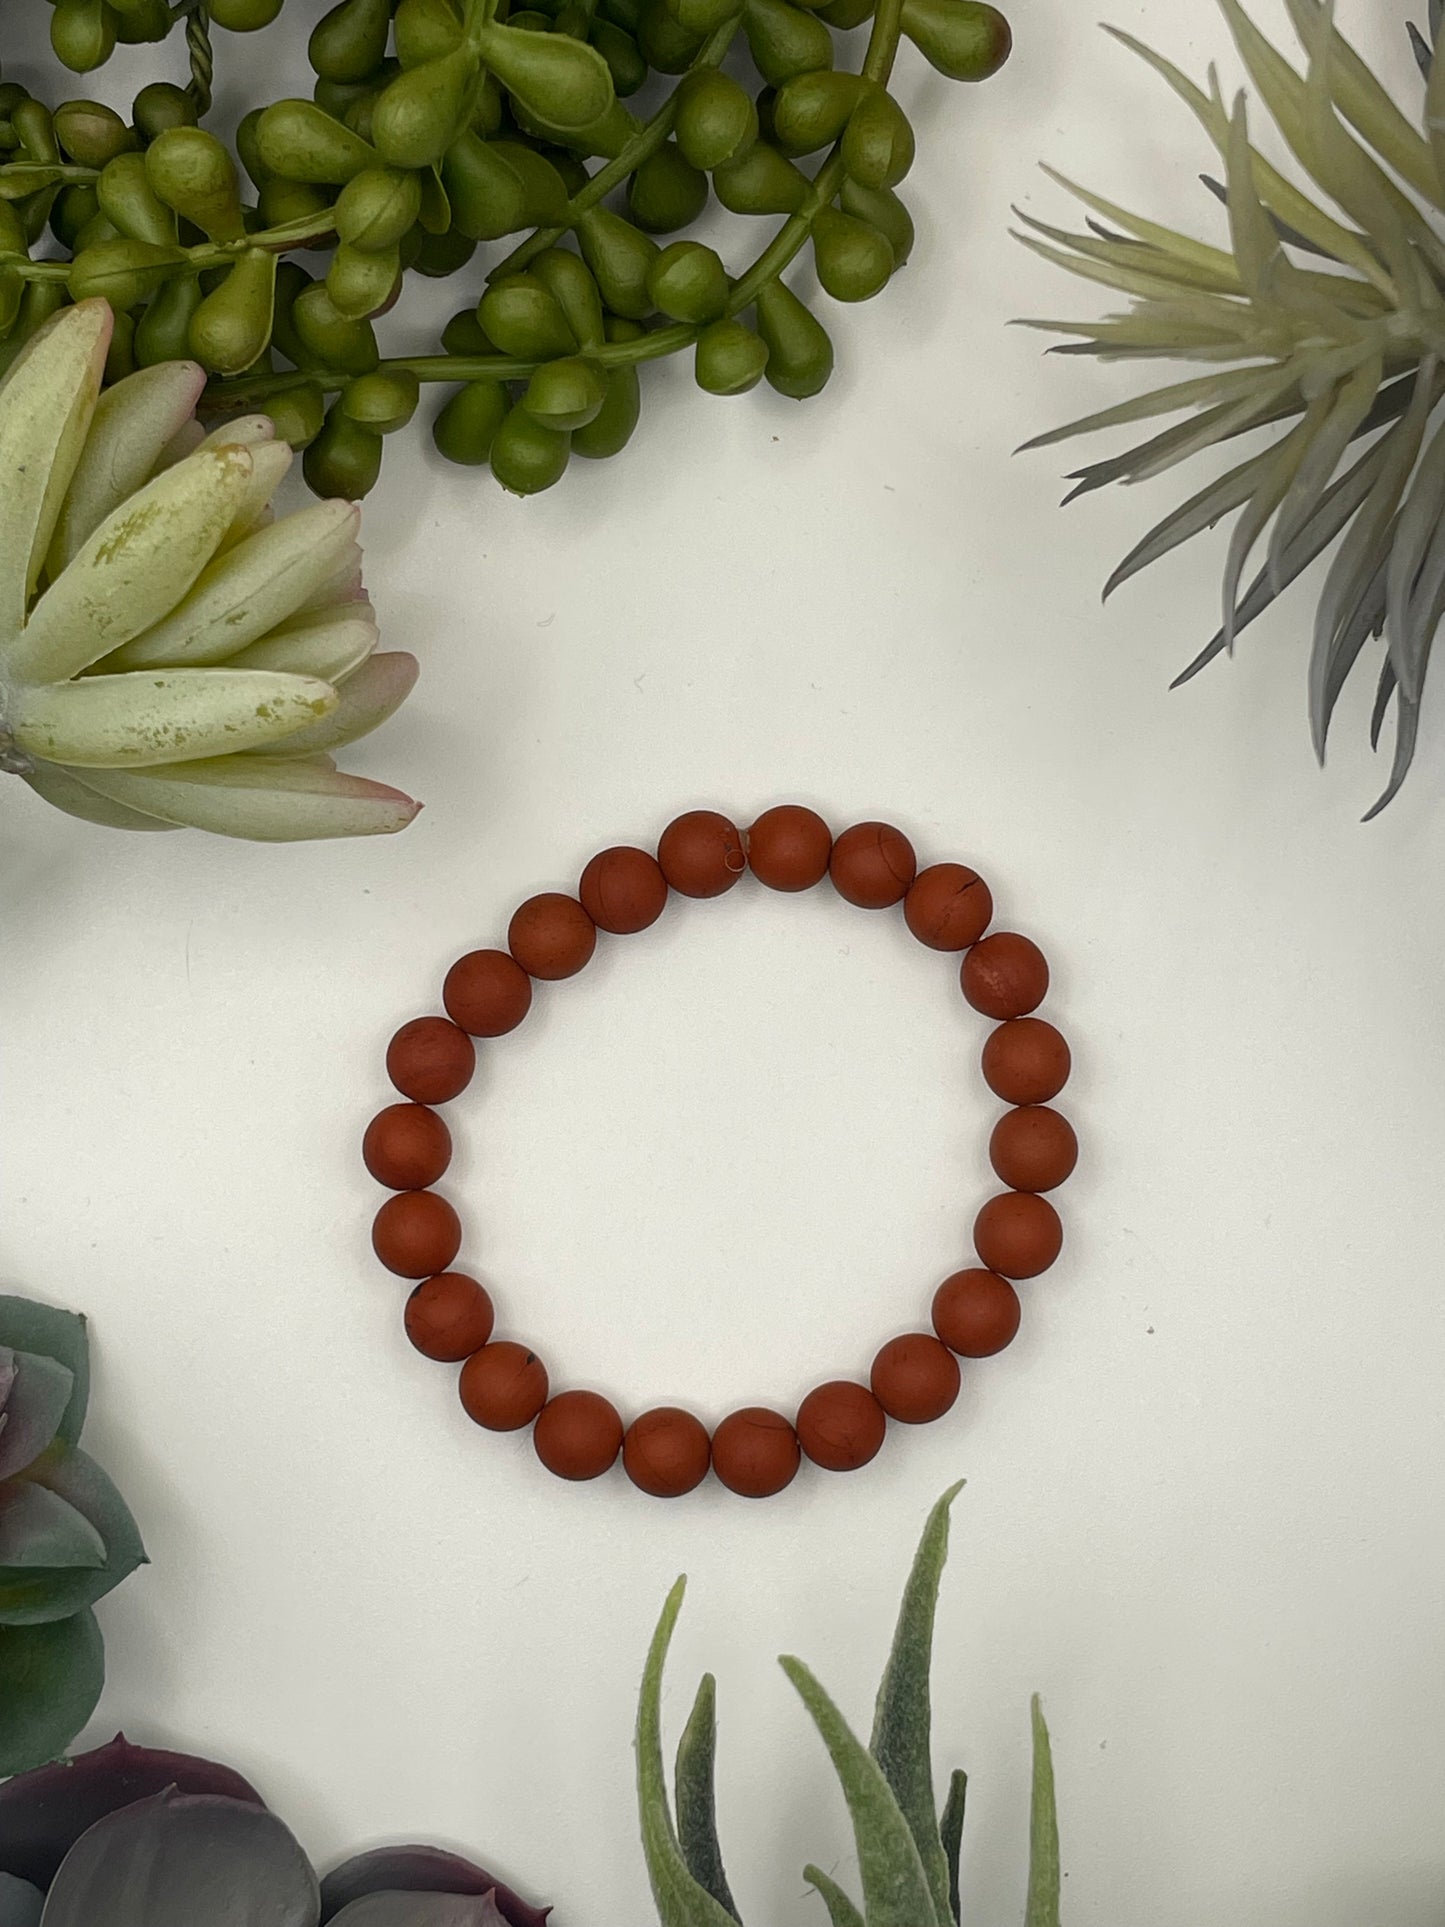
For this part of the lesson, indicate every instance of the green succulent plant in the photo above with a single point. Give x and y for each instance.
(170, 653)
(908, 1852)
(66, 1537)
(1323, 330)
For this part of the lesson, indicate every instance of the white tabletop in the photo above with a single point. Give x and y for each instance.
(1203, 1502)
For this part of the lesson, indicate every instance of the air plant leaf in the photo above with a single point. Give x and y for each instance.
(695, 1797)
(901, 1742)
(1042, 1906)
(50, 1680)
(896, 1890)
(1337, 356)
(682, 1901)
(950, 1829)
(177, 1860)
(841, 1911)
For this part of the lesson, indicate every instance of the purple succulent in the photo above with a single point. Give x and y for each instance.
(128, 1837)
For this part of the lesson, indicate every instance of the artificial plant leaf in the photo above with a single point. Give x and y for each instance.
(39, 1529)
(841, 1911)
(681, 1900)
(1349, 407)
(1408, 627)
(35, 1407)
(185, 1860)
(265, 799)
(28, 1597)
(46, 403)
(901, 1742)
(1328, 675)
(65, 791)
(1280, 472)
(50, 1680)
(896, 1891)
(250, 589)
(26, 1326)
(1407, 726)
(44, 1813)
(1200, 512)
(696, 1800)
(20, 1903)
(1421, 49)
(1120, 250)
(1042, 1907)
(161, 716)
(369, 695)
(950, 1831)
(135, 420)
(1198, 253)
(1365, 104)
(421, 1870)
(1238, 385)
(134, 568)
(328, 644)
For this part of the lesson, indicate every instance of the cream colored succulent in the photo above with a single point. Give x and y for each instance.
(170, 652)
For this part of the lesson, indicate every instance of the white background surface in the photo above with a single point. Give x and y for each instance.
(1203, 1504)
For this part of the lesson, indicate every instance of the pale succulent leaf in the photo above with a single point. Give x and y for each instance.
(950, 1831)
(1349, 408)
(134, 421)
(1366, 105)
(896, 1891)
(1197, 254)
(46, 403)
(681, 1900)
(270, 465)
(187, 439)
(246, 431)
(695, 1798)
(164, 715)
(327, 646)
(368, 697)
(64, 791)
(179, 1859)
(133, 569)
(245, 593)
(264, 802)
(903, 1718)
(1042, 1907)
(841, 1910)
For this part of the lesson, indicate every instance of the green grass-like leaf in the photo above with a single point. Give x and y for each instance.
(1042, 1907)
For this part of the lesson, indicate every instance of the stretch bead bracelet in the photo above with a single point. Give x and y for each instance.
(914, 1378)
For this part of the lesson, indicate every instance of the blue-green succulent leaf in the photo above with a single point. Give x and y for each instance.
(40, 1529)
(26, 1326)
(50, 1680)
(185, 1860)
(30, 1597)
(35, 1407)
(895, 1887)
(20, 1903)
(903, 1719)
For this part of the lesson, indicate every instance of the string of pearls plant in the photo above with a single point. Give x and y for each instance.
(433, 128)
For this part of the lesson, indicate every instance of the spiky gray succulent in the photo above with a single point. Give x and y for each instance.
(908, 1853)
(128, 1837)
(1328, 329)
(66, 1537)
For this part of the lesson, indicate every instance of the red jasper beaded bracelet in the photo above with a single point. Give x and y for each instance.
(914, 1378)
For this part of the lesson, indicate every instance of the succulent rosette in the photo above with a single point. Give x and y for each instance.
(66, 1538)
(171, 653)
(129, 1837)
